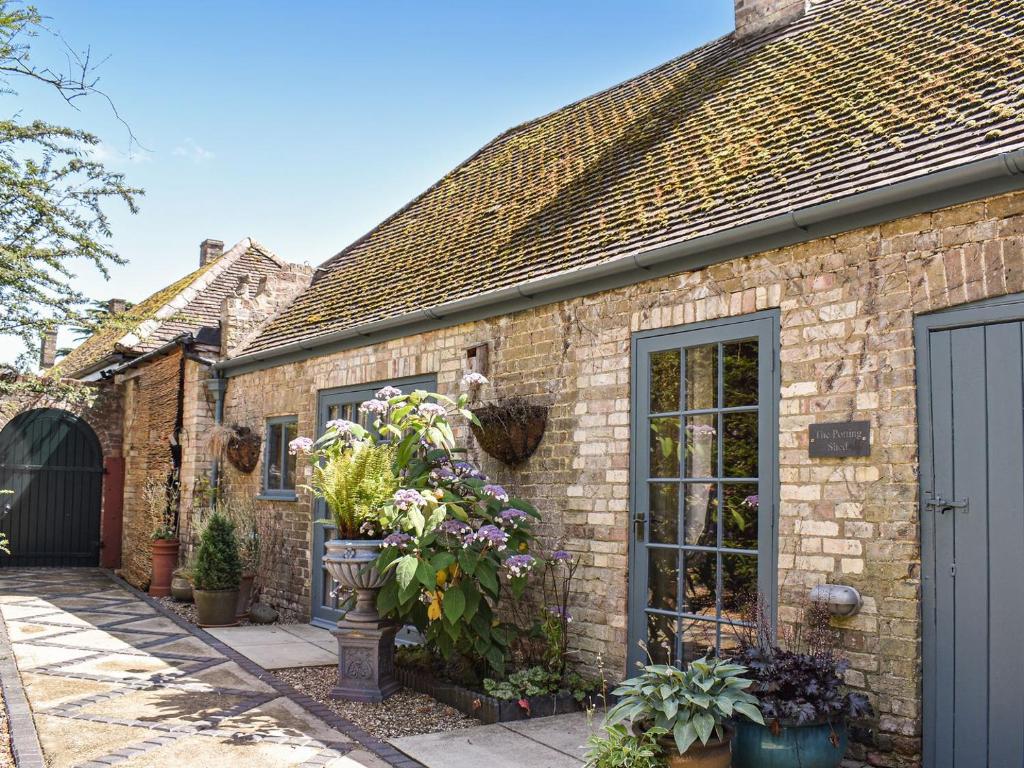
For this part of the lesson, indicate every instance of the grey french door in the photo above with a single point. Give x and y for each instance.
(342, 403)
(971, 414)
(703, 477)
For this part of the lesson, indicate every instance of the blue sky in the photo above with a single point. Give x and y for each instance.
(304, 124)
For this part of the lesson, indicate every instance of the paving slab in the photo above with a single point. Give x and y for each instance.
(281, 646)
(109, 677)
(566, 733)
(486, 746)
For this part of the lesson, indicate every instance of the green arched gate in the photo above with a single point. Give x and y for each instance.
(53, 463)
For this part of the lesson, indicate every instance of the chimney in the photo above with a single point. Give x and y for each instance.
(755, 17)
(210, 250)
(48, 350)
(116, 306)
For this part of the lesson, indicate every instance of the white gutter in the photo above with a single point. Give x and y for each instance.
(981, 178)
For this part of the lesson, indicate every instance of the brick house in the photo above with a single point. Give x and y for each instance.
(814, 220)
(79, 492)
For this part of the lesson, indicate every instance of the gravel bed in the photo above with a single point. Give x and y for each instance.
(407, 713)
(187, 611)
(6, 757)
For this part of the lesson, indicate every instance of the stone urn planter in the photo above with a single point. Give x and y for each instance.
(366, 642)
(165, 558)
(244, 595)
(815, 745)
(181, 586)
(216, 607)
(717, 753)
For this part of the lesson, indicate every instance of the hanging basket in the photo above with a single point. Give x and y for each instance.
(511, 429)
(243, 449)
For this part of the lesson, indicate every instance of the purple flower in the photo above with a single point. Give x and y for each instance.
(751, 501)
(495, 492)
(440, 475)
(467, 471)
(562, 613)
(519, 565)
(301, 445)
(560, 555)
(513, 516)
(342, 426)
(454, 527)
(431, 410)
(376, 407)
(488, 535)
(397, 539)
(406, 498)
(386, 393)
(474, 379)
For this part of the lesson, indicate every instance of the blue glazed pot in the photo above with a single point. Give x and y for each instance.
(796, 746)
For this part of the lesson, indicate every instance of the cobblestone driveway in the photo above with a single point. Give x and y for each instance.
(110, 680)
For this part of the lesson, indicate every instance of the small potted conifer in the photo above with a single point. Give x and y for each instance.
(216, 573)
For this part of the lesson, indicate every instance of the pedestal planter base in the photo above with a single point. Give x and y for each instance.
(366, 661)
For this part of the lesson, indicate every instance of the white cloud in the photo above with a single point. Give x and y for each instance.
(191, 150)
(108, 155)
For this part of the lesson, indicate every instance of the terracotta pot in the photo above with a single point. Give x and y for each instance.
(181, 587)
(350, 563)
(165, 558)
(717, 753)
(216, 607)
(244, 596)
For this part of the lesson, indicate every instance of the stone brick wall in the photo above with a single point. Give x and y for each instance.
(197, 422)
(150, 410)
(847, 305)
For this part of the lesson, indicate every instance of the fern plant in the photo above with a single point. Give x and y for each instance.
(357, 483)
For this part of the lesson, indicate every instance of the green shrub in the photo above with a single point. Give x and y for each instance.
(217, 564)
(535, 681)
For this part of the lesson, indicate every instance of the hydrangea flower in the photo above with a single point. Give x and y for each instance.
(512, 516)
(562, 613)
(467, 471)
(495, 492)
(397, 539)
(343, 426)
(519, 565)
(301, 445)
(386, 393)
(431, 410)
(455, 527)
(488, 534)
(560, 555)
(406, 498)
(376, 407)
(442, 475)
(474, 379)
(751, 501)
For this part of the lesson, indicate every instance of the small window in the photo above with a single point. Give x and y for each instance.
(278, 463)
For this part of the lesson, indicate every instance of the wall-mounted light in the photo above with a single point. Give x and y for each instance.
(841, 600)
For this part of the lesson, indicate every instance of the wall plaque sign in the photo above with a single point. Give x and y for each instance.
(847, 438)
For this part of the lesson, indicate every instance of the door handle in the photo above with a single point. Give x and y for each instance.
(941, 505)
(639, 518)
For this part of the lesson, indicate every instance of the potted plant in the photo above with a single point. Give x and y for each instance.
(243, 515)
(619, 748)
(804, 699)
(694, 707)
(216, 573)
(161, 500)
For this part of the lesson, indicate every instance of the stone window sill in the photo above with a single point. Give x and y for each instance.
(277, 497)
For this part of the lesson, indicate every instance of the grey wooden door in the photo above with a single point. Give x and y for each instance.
(53, 464)
(971, 404)
(703, 495)
(342, 403)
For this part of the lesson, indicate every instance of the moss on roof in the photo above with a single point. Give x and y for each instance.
(854, 95)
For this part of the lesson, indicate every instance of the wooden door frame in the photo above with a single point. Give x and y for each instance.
(989, 311)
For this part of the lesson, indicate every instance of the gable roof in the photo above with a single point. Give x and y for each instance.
(856, 95)
(188, 305)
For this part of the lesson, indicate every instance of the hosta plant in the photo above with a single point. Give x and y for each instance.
(691, 704)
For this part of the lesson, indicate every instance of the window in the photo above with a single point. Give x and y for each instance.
(278, 463)
(704, 478)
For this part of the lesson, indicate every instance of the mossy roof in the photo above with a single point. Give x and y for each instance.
(187, 305)
(853, 96)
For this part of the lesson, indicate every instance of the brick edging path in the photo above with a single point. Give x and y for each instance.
(383, 750)
(20, 725)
